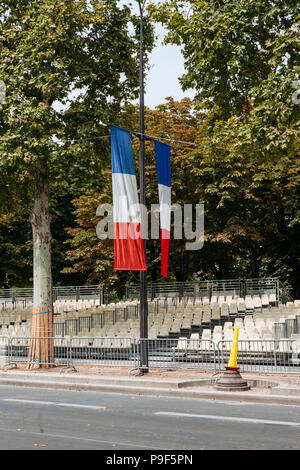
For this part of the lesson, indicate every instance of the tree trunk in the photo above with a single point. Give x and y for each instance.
(41, 345)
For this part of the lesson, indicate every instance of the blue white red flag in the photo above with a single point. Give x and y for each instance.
(128, 242)
(163, 165)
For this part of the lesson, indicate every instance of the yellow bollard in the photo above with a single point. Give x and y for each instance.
(232, 364)
(231, 380)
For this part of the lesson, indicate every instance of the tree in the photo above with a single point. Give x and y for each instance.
(172, 120)
(15, 250)
(251, 208)
(242, 59)
(68, 67)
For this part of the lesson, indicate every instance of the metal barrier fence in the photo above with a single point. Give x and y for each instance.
(179, 354)
(19, 350)
(256, 356)
(263, 356)
(112, 352)
(4, 350)
(16, 350)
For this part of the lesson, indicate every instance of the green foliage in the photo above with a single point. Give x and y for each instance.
(251, 210)
(68, 66)
(242, 58)
(174, 120)
(70, 69)
(49, 50)
(15, 251)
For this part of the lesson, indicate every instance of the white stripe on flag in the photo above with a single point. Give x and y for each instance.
(125, 196)
(165, 206)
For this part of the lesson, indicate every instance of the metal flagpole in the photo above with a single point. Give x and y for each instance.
(143, 274)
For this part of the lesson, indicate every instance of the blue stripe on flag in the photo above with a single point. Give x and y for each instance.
(121, 151)
(163, 163)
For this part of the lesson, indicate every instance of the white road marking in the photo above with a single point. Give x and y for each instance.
(53, 403)
(228, 418)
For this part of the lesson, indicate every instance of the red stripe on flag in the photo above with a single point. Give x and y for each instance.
(165, 244)
(129, 247)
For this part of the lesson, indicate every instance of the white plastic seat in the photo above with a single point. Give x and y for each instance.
(241, 306)
(86, 342)
(58, 341)
(217, 337)
(186, 324)
(182, 344)
(243, 344)
(233, 309)
(205, 345)
(256, 345)
(76, 341)
(238, 323)
(249, 304)
(268, 343)
(206, 335)
(217, 330)
(224, 310)
(284, 345)
(296, 347)
(197, 320)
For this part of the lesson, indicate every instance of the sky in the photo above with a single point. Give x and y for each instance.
(167, 66)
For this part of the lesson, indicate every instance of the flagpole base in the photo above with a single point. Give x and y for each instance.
(231, 381)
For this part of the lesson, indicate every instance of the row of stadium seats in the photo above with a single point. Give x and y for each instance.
(196, 345)
(166, 322)
(213, 310)
(233, 302)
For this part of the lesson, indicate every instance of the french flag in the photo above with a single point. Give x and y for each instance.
(128, 242)
(163, 165)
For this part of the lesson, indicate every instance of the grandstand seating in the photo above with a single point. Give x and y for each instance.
(194, 323)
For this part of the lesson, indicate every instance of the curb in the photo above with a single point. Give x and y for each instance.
(280, 395)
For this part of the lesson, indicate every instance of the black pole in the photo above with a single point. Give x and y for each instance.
(143, 274)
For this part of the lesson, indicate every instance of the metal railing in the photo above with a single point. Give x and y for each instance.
(187, 289)
(256, 356)
(96, 320)
(267, 286)
(59, 293)
(200, 289)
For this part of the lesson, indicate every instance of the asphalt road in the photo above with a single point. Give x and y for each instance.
(72, 420)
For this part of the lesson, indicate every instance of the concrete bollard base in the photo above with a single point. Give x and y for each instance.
(231, 381)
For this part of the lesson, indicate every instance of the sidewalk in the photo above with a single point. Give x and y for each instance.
(266, 388)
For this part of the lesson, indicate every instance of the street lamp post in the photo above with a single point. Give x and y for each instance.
(143, 274)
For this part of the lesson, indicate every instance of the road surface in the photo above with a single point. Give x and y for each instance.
(44, 419)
